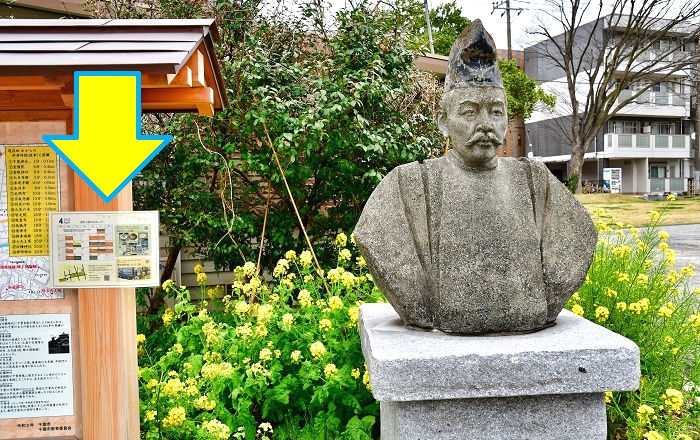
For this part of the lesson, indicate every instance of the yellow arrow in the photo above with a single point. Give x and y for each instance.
(107, 148)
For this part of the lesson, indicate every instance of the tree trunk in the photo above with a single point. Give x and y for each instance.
(578, 149)
(158, 300)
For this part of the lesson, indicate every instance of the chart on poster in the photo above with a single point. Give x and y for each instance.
(104, 249)
(29, 188)
(36, 366)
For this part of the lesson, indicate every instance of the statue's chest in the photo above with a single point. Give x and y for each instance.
(487, 213)
(488, 263)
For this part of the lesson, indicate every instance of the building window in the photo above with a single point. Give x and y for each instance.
(657, 171)
(663, 128)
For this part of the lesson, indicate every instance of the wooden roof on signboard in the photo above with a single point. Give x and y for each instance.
(176, 59)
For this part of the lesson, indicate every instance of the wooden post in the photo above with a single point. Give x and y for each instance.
(108, 359)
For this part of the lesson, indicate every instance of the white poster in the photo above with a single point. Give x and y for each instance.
(104, 249)
(36, 367)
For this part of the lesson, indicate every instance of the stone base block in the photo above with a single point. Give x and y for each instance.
(549, 417)
(546, 385)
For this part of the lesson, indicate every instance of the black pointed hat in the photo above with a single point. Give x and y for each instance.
(473, 60)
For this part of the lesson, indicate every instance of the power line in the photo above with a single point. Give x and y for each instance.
(504, 5)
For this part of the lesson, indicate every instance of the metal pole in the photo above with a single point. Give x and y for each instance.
(430, 29)
(510, 50)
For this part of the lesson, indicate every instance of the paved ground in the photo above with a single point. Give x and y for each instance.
(685, 240)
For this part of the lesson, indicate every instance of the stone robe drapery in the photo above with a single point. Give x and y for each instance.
(474, 250)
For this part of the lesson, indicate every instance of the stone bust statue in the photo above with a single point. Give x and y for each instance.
(470, 242)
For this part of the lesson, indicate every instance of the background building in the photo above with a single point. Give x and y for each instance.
(649, 139)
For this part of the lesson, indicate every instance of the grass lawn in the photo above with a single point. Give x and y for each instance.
(635, 210)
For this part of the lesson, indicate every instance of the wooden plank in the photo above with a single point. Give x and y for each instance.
(31, 100)
(196, 62)
(20, 35)
(183, 78)
(108, 349)
(136, 46)
(24, 83)
(35, 115)
(197, 95)
(205, 109)
(83, 59)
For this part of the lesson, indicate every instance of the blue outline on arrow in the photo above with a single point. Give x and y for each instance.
(49, 138)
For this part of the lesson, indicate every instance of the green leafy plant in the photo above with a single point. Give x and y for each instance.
(282, 355)
(633, 289)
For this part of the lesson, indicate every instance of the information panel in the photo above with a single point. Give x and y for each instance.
(32, 192)
(104, 249)
(29, 188)
(36, 367)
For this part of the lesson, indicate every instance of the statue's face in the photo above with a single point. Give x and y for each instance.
(475, 120)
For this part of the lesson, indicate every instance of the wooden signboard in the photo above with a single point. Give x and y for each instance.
(91, 330)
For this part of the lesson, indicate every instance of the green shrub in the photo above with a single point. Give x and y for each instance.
(633, 289)
(280, 353)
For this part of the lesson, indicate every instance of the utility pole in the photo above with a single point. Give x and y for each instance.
(430, 28)
(504, 5)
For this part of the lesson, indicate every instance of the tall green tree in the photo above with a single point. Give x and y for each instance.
(340, 108)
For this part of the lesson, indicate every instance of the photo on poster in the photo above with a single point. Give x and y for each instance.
(134, 240)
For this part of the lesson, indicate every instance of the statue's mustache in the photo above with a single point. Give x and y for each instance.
(481, 137)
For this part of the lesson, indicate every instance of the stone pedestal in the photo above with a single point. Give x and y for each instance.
(537, 386)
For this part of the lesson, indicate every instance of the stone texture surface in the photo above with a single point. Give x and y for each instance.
(554, 417)
(573, 356)
(471, 243)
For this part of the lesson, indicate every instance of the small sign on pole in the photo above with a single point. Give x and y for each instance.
(104, 249)
(612, 180)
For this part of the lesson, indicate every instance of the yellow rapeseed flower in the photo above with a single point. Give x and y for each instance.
(654, 435)
(654, 215)
(287, 319)
(305, 258)
(623, 277)
(644, 413)
(330, 370)
(361, 261)
(217, 429)
(621, 306)
(168, 316)
(673, 398)
(344, 255)
(671, 197)
(355, 373)
(341, 240)
(317, 349)
(140, 339)
(241, 308)
(290, 255)
(176, 417)
(325, 324)
(304, 298)
(663, 235)
(335, 303)
(295, 355)
(608, 396)
(354, 314)
(665, 311)
(602, 313)
(577, 309)
(151, 415)
(265, 354)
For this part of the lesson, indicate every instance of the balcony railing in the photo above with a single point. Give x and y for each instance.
(655, 98)
(645, 141)
(676, 185)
